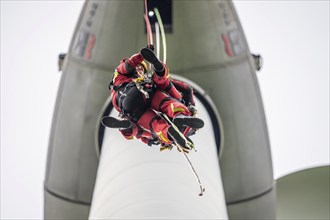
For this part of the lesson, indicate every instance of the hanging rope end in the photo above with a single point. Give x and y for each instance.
(202, 192)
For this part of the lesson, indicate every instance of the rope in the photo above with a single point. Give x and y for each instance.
(162, 31)
(150, 42)
(157, 39)
(149, 31)
(146, 18)
(195, 173)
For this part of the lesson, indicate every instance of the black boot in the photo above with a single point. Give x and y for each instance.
(177, 138)
(152, 58)
(190, 121)
(115, 123)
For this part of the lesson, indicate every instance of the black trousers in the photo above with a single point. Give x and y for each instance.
(132, 102)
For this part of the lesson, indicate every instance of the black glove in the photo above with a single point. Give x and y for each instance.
(153, 142)
(192, 109)
(151, 47)
(182, 101)
(111, 85)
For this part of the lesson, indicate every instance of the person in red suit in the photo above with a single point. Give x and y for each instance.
(136, 97)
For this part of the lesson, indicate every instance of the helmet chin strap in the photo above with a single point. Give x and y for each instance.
(140, 72)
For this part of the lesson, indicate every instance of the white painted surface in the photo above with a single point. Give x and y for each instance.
(138, 181)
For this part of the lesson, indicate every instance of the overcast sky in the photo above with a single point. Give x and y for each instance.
(292, 37)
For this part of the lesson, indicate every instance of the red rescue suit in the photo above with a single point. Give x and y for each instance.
(165, 99)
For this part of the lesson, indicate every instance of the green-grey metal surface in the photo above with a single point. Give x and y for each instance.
(304, 194)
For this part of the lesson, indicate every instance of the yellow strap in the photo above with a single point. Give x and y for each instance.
(162, 137)
(177, 109)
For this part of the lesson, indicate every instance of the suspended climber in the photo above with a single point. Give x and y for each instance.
(156, 108)
(138, 98)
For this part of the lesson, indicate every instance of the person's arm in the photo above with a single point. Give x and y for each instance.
(164, 83)
(127, 65)
(186, 90)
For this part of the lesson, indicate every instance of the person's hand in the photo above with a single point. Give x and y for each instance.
(151, 47)
(192, 109)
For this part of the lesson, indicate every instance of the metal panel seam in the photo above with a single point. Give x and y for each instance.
(66, 199)
(253, 197)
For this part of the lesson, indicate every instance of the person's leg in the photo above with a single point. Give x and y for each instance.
(159, 127)
(155, 124)
(132, 103)
(175, 109)
(162, 102)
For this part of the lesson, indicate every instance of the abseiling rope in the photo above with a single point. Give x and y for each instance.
(162, 31)
(157, 39)
(150, 42)
(146, 18)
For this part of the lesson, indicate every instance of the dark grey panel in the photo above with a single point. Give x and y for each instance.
(197, 38)
(260, 207)
(116, 27)
(58, 208)
(304, 194)
(72, 160)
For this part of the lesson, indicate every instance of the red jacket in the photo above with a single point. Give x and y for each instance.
(122, 76)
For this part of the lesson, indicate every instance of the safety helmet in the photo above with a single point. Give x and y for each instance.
(144, 66)
(141, 69)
